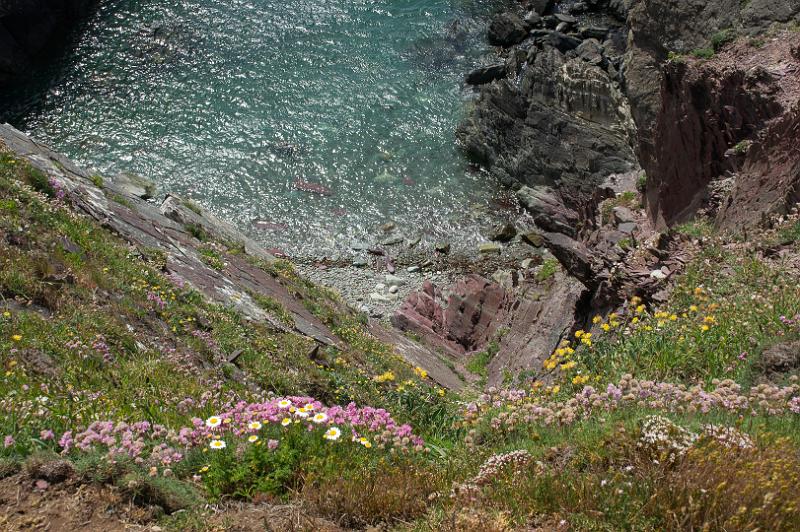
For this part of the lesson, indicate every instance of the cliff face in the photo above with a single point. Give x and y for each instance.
(705, 78)
(711, 111)
(580, 103)
(28, 28)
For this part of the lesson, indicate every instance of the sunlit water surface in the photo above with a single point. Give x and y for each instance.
(238, 103)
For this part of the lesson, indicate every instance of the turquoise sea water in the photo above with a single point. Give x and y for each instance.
(238, 103)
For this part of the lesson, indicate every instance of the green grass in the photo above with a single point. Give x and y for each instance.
(702, 53)
(548, 269)
(723, 37)
(85, 338)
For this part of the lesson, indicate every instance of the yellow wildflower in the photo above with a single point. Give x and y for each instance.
(16, 337)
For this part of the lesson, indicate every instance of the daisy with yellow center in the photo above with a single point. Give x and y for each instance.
(284, 404)
(302, 413)
(320, 418)
(365, 442)
(332, 434)
(213, 422)
(217, 444)
(252, 438)
(286, 421)
(254, 425)
(309, 407)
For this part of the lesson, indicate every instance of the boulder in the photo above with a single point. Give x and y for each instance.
(128, 184)
(540, 7)
(574, 256)
(507, 29)
(533, 238)
(503, 232)
(486, 249)
(486, 74)
(562, 42)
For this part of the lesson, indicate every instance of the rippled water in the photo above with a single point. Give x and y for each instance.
(235, 102)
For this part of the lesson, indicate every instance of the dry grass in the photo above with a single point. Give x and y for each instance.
(372, 496)
(717, 488)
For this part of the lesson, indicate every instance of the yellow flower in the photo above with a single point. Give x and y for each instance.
(606, 327)
(693, 308)
(596, 320)
(384, 377)
(556, 389)
(16, 337)
(698, 291)
(568, 365)
(420, 372)
(204, 469)
(286, 421)
(640, 309)
(252, 438)
(704, 328)
(635, 320)
(673, 317)
(441, 392)
(580, 379)
(6, 314)
(579, 334)
(709, 319)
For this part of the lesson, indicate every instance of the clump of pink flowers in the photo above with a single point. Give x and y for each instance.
(508, 409)
(376, 422)
(156, 445)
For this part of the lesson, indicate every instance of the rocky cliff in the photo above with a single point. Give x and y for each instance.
(29, 28)
(614, 121)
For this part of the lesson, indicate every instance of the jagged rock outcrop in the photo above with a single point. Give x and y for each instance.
(559, 119)
(533, 317)
(769, 180)
(710, 110)
(28, 28)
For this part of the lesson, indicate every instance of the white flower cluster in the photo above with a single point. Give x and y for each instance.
(667, 440)
(728, 436)
(490, 469)
(664, 438)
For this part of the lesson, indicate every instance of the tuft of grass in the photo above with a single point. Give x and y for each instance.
(702, 53)
(192, 206)
(698, 228)
(198, 232)
(548, 269)
(721, 38)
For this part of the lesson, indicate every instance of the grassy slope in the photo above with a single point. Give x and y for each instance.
(84, 339)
